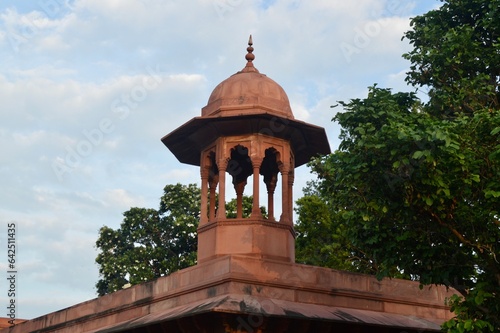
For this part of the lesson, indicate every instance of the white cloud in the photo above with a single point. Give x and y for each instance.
(121, 198)
(300, 111)
(187, 78)
(175, 175)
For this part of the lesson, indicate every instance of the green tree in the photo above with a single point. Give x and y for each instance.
(418, 185)
(321, 236)
(455, 54)
(151, 243)
(421, 194)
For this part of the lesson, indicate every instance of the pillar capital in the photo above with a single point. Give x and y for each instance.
(256, 161)
(222, 163)
(284, 168)
(205, 172)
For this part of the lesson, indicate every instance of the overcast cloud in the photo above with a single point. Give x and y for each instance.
(88, 88)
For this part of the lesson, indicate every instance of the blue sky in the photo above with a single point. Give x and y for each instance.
(88, 88)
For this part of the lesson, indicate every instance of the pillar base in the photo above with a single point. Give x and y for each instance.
(256, 237)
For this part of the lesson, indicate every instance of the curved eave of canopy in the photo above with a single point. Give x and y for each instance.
(189, 140)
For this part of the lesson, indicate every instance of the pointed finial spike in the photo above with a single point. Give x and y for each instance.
(250, 57)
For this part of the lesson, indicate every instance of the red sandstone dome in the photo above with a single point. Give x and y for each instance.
(247, 102)
(248, 90)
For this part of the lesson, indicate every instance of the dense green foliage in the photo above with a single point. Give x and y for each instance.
(415, 186)
(455, 54)
(150, 243)
(417, 193)
(321, 238)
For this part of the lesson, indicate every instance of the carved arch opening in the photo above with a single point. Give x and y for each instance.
(269, 169)
(240, 168)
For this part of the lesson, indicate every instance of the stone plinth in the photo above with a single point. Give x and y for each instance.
(255, 237)
(234, 293)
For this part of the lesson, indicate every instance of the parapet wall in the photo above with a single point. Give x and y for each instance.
(247, 277)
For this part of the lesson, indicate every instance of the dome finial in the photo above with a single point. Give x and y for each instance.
(250, 56)
(249, 67)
